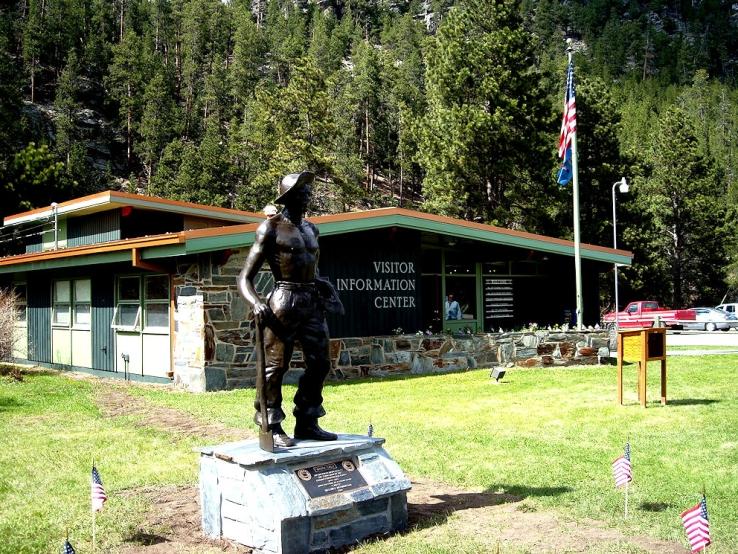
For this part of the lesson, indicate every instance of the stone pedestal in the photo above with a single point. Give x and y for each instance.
(313, 496)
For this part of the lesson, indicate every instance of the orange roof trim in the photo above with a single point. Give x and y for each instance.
(383, 212)
(115, 246)
(111, 196)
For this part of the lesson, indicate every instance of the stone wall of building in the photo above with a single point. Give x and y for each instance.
(214, 338)
(413, 354)
(228, 330)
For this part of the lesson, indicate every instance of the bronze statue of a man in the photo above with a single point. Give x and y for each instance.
(294, 311)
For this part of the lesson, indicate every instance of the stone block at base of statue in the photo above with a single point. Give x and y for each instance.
(312, 496)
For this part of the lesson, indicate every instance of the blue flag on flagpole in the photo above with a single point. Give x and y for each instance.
(565, 171)
(568, 128)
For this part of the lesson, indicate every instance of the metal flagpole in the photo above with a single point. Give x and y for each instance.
(575, 191)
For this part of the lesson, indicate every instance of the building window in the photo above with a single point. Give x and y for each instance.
(156, 302)
(72, 304)
(81, 305)
(62, 303)
(496, 268)
(21, 303)
(149, 311)
(127, 315)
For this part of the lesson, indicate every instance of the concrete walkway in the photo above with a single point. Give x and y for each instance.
(727, 340)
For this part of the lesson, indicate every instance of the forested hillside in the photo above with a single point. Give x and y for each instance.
(449, 107)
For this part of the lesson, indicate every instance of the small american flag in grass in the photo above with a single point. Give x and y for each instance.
(67, 548)
(621, 469)
(98, 491)
(697, 525)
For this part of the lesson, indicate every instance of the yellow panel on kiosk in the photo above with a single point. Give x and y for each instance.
(632, 348)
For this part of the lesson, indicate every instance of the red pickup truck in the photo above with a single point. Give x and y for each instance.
(645, 313)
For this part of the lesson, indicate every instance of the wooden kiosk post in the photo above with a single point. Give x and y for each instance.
(651, 346)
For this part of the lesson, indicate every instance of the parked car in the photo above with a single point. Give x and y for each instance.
(711, 319)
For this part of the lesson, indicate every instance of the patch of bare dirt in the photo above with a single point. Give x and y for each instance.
(507, 520)
(12, 372)
(173, 524)
(114, 401)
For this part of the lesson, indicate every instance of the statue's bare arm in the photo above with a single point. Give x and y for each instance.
(317, 254)
(254, 261)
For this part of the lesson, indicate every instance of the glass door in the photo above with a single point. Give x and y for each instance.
(461, 311)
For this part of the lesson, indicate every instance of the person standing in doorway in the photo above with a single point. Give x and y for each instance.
(453, 310)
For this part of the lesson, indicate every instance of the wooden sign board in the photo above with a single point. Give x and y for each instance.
(642, 346)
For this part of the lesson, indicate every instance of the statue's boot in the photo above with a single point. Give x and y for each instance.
(280, 437)
(308, 429)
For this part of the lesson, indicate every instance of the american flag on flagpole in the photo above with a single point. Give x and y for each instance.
(568, 128)
(697, 525)
(621, 469)
(67, 548)
(98, 491)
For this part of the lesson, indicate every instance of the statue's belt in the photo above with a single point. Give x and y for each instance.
(292, 285)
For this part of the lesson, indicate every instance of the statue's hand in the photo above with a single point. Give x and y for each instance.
(263, 313)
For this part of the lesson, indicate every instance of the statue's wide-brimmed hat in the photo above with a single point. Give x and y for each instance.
(293, 182)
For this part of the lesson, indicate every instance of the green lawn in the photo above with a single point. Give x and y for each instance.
(545, 434)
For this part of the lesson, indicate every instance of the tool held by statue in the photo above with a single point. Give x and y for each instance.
(266, 438)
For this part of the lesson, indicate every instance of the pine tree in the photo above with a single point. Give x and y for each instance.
(126, 79)
(482, 143)
(251, 146)
(248, 54)
(286, 37)
(600, 162)
(366, 87)
(66, 105)
(686, 203)
(10, 97)
(405, 99)
(322, 48)
(214, 186)
(101, 31)
(33, 178)
(159, 122)
(303, 126)
(163, 181)
(33, 33)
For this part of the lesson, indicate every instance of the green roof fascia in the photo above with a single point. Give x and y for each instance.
(57, 263)
(219, 242)
(166, 251)
(237, 240)
(460, 231)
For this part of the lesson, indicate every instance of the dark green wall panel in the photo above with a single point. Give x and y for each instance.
(103, 339)
(377, 277)
(93, 229)
(39, 319)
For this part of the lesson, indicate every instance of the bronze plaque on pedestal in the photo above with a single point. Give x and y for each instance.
(330, 478)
